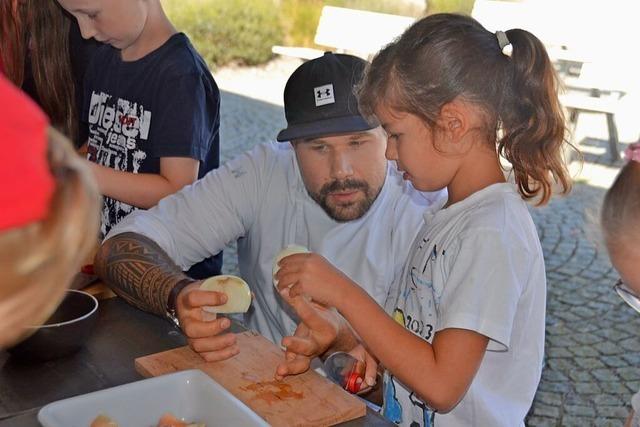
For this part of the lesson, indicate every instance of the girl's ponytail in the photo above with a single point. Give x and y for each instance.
(532, 121)
(445, 56)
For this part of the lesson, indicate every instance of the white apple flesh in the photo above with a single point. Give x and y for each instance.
(289, 250)
(236, 289)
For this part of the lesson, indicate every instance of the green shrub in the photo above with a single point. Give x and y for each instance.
(453, 6)
(225, 31)
(300, 18)
(243, 31)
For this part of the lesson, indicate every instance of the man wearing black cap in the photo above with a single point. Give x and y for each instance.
(331, 189)
(328, 134)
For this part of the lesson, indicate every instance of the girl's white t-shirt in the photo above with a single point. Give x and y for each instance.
(476, 265)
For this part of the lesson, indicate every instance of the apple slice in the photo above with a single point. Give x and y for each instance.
(237, 290)
(289, 250)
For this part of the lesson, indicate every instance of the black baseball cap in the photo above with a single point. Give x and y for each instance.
(319, 98)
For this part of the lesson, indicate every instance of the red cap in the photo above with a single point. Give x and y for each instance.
(26, 183)
(352, 385)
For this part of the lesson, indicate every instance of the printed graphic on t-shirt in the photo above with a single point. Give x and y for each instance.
(118, 130)
(417, 310)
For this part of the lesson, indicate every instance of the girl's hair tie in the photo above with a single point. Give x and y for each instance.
(505, 45)
(632, 153)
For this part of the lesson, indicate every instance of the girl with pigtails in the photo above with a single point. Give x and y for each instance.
(461, 335)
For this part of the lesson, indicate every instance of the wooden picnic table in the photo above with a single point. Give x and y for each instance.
(588, 93)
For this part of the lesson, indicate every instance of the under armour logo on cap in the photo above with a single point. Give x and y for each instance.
(319, 98)
(324, 95)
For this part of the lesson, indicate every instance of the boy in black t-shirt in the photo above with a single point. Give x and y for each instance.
(151, 106)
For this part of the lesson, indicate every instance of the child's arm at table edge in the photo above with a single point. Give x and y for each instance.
(145, 190)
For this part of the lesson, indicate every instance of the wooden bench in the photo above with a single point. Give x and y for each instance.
(356, 32)
(589, 87)
(593, 91)
(575, 103)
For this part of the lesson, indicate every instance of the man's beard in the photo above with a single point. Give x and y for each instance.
(343, 212)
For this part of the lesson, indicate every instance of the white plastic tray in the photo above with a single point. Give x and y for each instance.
(189, 395)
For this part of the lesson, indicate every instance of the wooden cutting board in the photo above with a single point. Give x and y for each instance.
(302, 400)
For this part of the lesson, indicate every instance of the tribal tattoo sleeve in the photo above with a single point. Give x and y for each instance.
(138, 270)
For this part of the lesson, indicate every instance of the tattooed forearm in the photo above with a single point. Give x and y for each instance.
(138, 270)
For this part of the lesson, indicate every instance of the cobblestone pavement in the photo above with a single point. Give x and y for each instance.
(592, 344)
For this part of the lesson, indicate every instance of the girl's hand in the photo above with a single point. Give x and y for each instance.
(369, 368)
(313, 276)
(317, 331)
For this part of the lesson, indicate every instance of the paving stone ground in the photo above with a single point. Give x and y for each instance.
(592, 343)
(593, 339)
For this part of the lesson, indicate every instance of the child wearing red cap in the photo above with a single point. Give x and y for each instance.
(48, 219)
(151, 106)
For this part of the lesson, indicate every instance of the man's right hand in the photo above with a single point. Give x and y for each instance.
(205, 333)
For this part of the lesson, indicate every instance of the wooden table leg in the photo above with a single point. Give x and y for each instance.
(613, 137)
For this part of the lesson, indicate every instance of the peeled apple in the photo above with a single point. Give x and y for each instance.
(103, 421)
(289, 250)
(236, 289)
